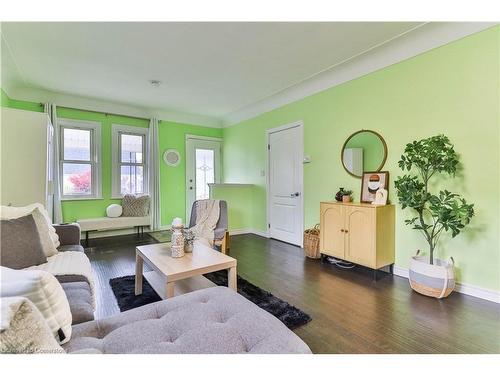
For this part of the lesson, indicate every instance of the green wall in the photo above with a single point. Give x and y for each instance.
(4, 99)
(82, 209)
(453, 90)
(20, 104)
(172, 179)
(239, 202)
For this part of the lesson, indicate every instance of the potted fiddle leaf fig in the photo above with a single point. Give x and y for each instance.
(435, 212)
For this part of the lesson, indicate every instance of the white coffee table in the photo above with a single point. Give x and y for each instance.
(174, 276)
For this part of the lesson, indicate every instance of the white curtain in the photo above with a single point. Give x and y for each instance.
(154, 174)
(50, 109)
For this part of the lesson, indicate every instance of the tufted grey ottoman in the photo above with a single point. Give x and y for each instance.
(214, 320)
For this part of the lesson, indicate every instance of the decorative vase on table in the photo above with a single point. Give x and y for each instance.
(339, 195)
(177, 242)
(188, 241)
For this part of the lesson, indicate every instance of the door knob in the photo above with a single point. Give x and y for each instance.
(295, 194)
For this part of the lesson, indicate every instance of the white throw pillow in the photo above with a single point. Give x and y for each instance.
(10, 212)
(114, 210)
(43, 289)
(23, 329)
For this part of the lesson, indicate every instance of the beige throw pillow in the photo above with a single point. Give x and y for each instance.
(135, 205)
(44, 232)
(23, 329)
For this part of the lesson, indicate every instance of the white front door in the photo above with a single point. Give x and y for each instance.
(285, 201)
(203, 167)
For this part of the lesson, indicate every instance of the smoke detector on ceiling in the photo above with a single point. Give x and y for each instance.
(155, 83)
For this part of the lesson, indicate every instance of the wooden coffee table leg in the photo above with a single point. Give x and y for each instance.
(231, 278)
(169, 292)
(138, 274)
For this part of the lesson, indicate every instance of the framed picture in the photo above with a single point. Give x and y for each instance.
(371, 182)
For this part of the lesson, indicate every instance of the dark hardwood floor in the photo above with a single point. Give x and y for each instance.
(350, 312)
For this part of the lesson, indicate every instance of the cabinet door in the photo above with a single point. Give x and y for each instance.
(360, 235)
(332, 227)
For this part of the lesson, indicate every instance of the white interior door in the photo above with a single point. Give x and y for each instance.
(203, 167)
(285, 201)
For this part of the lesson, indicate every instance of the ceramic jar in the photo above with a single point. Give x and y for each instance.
(177, 241)
(339, 195)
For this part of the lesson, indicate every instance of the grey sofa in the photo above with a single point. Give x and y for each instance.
(69, 237)
(214, 320)
(76, 287)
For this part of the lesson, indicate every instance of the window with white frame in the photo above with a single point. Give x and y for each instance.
(80, 159)
(130, 166)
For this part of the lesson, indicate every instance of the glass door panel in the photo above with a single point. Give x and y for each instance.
(202, 168)
(205, 172)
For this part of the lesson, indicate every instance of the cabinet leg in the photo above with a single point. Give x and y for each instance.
(375, 274)
(391, 269)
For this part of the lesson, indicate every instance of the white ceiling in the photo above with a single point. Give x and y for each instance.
(209, 69)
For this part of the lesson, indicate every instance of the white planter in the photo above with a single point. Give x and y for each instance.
(433, 280)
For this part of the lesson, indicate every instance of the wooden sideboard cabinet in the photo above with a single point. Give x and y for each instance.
(360, 233)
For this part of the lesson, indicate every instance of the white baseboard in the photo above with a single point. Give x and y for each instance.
(235, 232)
(400, 271)
(260, 233)
(470, 290)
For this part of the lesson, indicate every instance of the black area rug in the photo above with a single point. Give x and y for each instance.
(292, 317)
(124, 290)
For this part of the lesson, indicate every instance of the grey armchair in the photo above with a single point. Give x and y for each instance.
(221, 234)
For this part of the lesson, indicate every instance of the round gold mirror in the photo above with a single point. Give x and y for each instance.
(364, 151)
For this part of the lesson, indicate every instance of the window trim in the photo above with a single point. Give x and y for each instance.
(95, 156)
(116, 130)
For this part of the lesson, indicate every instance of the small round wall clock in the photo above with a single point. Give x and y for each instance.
(171, 157)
